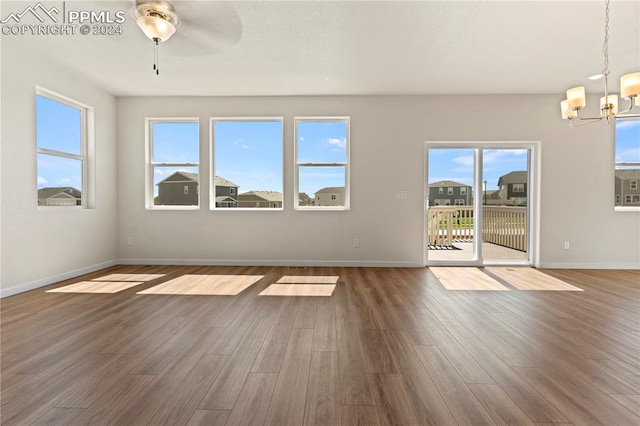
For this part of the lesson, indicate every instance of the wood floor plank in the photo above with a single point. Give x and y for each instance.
(252, 404)
(59, 416)
(502, 408)
(270, 357)
(324, 331)
(209, 418)
(464, 406)
(355, 383)
(392, 401)
(359, 415)
(428, 404)
(322, 396)
(224, 391)
(288, 402)
(536, 407)
(187, 396)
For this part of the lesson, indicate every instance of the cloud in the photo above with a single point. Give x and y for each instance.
(63, 181)
(159, 172)
(624, 124)
(245, 146)
(42, 181)
(339, 143)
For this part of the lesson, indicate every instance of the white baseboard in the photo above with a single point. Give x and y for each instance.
(296, 263)
(633, 266)
(21, 288)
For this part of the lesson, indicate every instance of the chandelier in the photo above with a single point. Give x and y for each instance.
(629, 89)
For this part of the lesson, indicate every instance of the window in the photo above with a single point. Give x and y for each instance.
(173, 163)
(632, 199)
(62, 151)
(449, 191)
(441, 202)
(627, 162)
(440, 191)
(247, 163)
(518, 187)
(463, 190)
(322, 162)
(459, 202)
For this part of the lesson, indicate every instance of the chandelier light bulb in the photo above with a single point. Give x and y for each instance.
(576, 98)
(630, 85)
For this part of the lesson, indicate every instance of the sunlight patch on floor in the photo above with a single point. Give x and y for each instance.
(299, 290)
(109, 287)
(531, 279)
(466, 278)
(308, 279)
(205, 285)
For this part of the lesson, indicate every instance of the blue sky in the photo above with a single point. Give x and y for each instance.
(58, 128)
(628, 145)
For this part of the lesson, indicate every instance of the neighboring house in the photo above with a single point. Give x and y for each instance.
(304, 199)
(331, 196)
(627, 187)
(512, 188)
(59, 196)
(181, 189)
(450, 193)
(260, 199)
(226, 192)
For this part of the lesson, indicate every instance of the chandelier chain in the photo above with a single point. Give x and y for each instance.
(605, 45)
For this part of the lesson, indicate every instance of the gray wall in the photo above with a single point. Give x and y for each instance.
(32, 251)
(388, 135)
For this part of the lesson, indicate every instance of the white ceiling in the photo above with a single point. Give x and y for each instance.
(355, 47)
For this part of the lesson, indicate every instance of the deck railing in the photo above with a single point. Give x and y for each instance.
(503, 225)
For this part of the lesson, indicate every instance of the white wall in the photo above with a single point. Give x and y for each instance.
(32, 253)
(387, 145)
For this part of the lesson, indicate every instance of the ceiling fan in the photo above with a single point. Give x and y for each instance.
(196, 28)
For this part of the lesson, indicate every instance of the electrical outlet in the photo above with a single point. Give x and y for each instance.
(567, 246)
(130, 241)
(356, 243)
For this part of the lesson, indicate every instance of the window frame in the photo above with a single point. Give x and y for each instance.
(517, 187)
(212, 169)
(150, 165)
(346, 164)
(87, 149)
(622, 206)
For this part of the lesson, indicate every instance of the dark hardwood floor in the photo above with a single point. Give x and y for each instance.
(390, 346)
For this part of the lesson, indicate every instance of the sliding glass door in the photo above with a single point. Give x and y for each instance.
(478, 203)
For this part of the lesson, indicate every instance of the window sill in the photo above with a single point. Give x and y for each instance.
(627, 208)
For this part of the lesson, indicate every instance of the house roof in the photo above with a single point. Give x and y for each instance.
(65, 191)
(513, 177)
(330, 189)
(445, 183)
(217, 180)
(265, 195)
(225, 198)
(626, 174)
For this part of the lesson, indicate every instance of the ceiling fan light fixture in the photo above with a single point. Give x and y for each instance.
(156, 27)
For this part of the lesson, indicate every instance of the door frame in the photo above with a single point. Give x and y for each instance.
(533, 197)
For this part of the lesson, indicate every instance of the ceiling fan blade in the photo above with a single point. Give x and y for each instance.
(206, 28)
